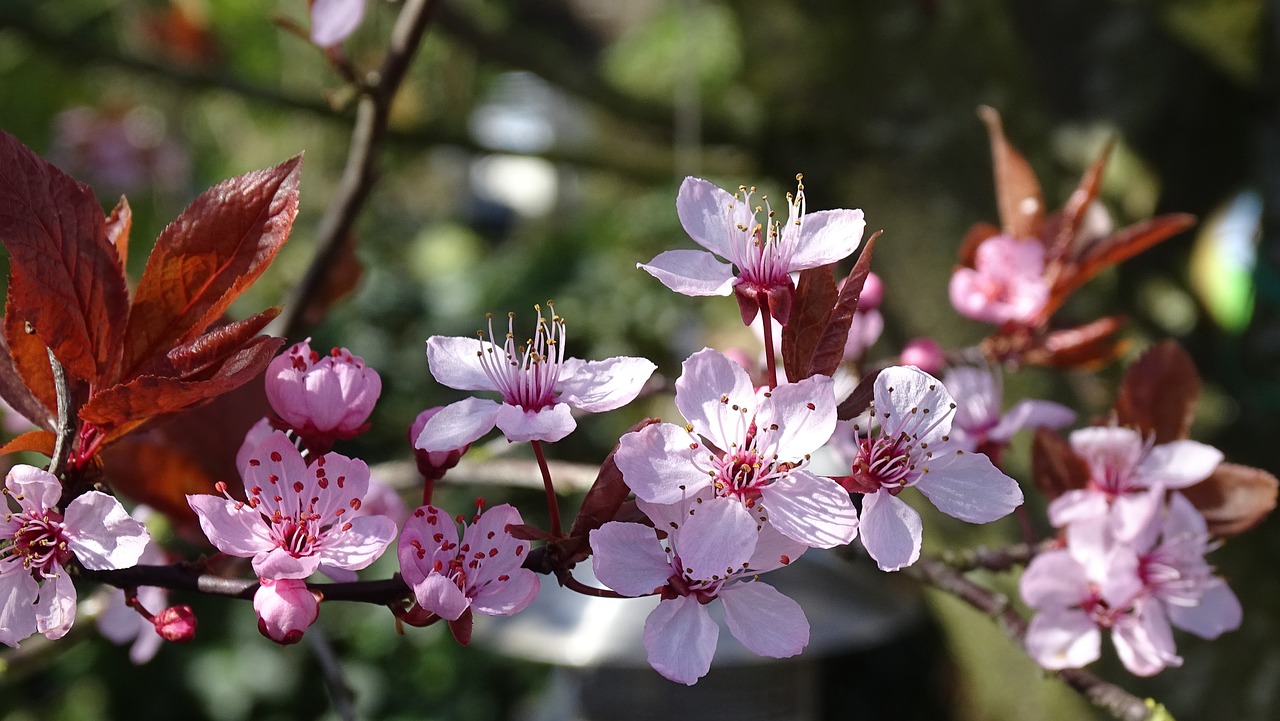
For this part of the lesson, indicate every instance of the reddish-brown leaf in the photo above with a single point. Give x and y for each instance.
(1085, 346)
(66, 278)
(860, 399)
(189, 361)
(829, 351)
(30, 360)
(1073, 213)
(1234, 498)
(1159, 393)
(123, 407)
(1018, 195)
(606, 495)
(203, 260)
(972, 239)
(1055, 467)
(1119, 247)
(34, 441)
(815, 294)
(119, 223)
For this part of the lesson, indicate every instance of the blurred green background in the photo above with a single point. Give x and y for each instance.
(535, 153)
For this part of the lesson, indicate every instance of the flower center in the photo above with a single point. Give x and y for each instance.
(40, 543)
(763, 251)
(526, 376)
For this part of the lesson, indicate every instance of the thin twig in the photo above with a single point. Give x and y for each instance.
(997, 559)
(64, 434)
(334, 679)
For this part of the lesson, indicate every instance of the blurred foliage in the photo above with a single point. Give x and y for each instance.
(872, 101)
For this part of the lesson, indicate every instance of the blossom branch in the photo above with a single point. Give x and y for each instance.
(64, 434)
(994, 559)
(187, 577)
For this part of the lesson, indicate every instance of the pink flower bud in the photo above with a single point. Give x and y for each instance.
(176, 623)
(923, 353)
(285, 608)
(433, 464)
(322, 397)
(872, 293)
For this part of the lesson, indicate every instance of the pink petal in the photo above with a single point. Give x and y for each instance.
(18, 593)
(765, 621)
(811, 509)
(805, 414)
(716, 541)
(458, 424)
(285, 608)
(1063, 639)
(1144, 640)
(711, 393)
(680, 638)
(441, 596)
(1179, 464)
(691, 272)
(599, 386)
(774, 550)
(1054, 580)
(272, 468)
(232, 527)
(908, 394)
(827, 236)
(278, 564)
(711, 215)
(419, 548)
(628, 558)
(1077, 505)
(332, 482)
(657, 463)
(455, 362)
(504, 554)
(256, 435)
(1219, 611)
(102, 534)
(1007, 256)
(549, 424)
(891, 530)
(56, 607)
(1031, 414)
(33, 488)
(507, 594)
(333, 20)
(970, 488)
(1136, 518)
(361, 544)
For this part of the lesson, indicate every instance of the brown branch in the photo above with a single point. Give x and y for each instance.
(994, 559)
(64, 433)
(187, 577)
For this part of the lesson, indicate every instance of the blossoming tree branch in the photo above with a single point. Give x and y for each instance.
(694, 510)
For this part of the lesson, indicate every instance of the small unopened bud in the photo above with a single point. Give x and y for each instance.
(872, 293)
(176, 623)
(925, 354)
(432, 465)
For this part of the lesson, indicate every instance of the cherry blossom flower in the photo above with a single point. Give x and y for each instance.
(979, 394)
(689, 573)
(538, 383)
(1127, 474)
(286, 608)
(333, 20)
(762, 254)
(37, 542)
(322, 397)
(297, 517)
(483, 573)
(1006, 283)
(913, 447)
(1137, 590)
(746, 447)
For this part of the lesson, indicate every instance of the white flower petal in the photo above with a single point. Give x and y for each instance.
(804, 414)
(680, 638)
(827, 236)
(657, 463)
(765, 621)
(518, 425)
(455, 362)
(628, 558)
(967, 486)
(716, 396)
(811, 509)
(102, 534)
(599, 386)
(712, 216)
(891, 530)
(457, 425)
(691, 272)
(1063, 639)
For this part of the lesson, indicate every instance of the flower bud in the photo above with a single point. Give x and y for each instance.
(322, 397)
(872, 293)
(925, 354)
(432, 465)
(176, 623)
(285, 608)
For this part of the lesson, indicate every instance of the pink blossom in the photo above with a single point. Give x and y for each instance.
(923, 353)
(913, 446)
(1006, 283)
(482, 574)
(745, 447)
(979, 396)
(37, 542)
(763, 254)
(333, 20)
(1123, 468)
(689, 573)
(322, 397)
(297, 517)
(121, 624)
(538, 383)
(286, 608)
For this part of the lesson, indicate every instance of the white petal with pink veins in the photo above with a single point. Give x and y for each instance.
(1063, 639)
(691, 272)
(333, 481)
(716, 396)
(455, 362)
(1219, 611)
(102, 534)
(598, 386)
(805, 416)
(712, 216)
(914, 401)
(441, 596)
(628, 558)
(519, 425)
(1179, 464)
(278, 563)
(1054, 580)
(360, 545)
(680, 638)
(765, 621)
(458, 424)
(272, 469)
(233, 527)
(967, 486)
(826, 237)
(503, 552)
(717, 540)
(657, 463)
(773, 550)
(811, 509)
(33, 488)
(891, 530)
(56, 607)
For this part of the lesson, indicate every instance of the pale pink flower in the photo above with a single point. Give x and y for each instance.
(1124, 468)
(1007, 281)
(482, 573)
(286, 608)
(913, 447)
(333, 20)
(689, 573)
(37, 542)
(322, 397)
(296, 517)
(121, 624)
(762, 252)
(745, 447)
(538, 383)
(979, 395)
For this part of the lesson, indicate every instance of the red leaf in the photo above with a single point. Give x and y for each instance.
(1117, 248)
(209, 350)
(119, 223)
(1084, 346)
(203, 260)
(829, 350)
(1055, 467)
(66, 276)
(1159, 393)
(860, 399)
(123, 407)
(30, 360)
(1018, 195)
(34, 441)
(1234, 498)
(815, 294)
(1073, 212)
